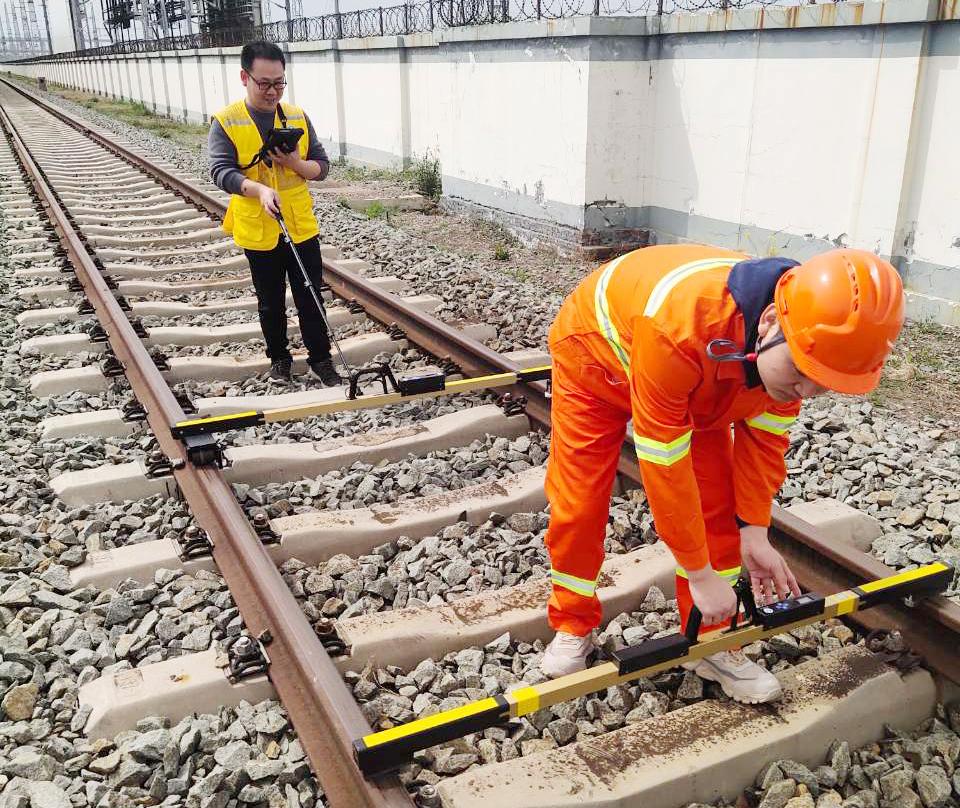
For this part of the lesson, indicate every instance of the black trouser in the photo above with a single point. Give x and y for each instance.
(269, 270)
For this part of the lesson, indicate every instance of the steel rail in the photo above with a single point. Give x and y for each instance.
(931, 628)
(196, 196)
(323, 711)
(428, 332)
(821, 565)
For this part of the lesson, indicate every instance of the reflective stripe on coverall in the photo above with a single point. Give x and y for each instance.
(630, 342)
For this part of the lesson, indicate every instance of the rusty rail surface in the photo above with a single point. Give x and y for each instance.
(931, 628)
(321, 707)
(819, 566)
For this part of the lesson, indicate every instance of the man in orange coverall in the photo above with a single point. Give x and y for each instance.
(709, 353)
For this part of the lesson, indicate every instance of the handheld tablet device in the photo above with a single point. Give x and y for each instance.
(285, 139)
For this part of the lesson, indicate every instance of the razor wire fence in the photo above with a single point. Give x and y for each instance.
(411, 18)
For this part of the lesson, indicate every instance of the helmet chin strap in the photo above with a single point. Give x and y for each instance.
(726, 350)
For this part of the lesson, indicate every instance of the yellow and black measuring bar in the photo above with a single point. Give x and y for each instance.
(407, 388)
(389, 749)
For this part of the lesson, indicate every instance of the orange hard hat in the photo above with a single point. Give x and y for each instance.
(840, 313)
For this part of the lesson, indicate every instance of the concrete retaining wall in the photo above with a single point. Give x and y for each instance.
(783, 130)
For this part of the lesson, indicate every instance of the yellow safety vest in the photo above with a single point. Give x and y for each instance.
(252, 227)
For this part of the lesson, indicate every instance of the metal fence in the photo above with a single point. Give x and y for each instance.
(413, 18)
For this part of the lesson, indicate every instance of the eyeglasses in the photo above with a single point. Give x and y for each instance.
(277, 85)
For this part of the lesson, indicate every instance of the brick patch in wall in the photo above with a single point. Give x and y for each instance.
(593, 242)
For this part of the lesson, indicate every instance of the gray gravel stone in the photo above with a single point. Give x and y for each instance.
(130, 773)
(933, 786)
(801, 774)
(14, 671)
(839, 758)
(120, 611)
(28, 763)
(262, 769)
(19, 701)
(830, 799)
(270, 722)
(233, 755)
(778, 794)
(150, 746)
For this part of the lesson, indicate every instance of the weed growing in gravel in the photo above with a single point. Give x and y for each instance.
(426, 177)
(342, 202)
(501, 253)
(521, 274)
(376, 210)
(356, 173)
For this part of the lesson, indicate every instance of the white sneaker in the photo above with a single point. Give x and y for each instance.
(741, 679)
(566, 653)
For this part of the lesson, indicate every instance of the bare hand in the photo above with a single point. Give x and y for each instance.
(770, 577)
(712, 595)
(270, 200)
(291, 160)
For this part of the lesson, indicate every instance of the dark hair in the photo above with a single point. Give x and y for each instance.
(260, 50)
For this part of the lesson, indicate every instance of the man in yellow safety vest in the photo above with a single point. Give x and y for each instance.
(261, 188)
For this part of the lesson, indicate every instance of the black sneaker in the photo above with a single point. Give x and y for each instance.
(324, 371)
(281, 369)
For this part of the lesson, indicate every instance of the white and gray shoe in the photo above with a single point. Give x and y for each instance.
(741, 679)
(566, 654)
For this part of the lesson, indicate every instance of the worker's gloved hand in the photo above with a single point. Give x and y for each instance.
(770, 577)
(712, 595)
(270, 200)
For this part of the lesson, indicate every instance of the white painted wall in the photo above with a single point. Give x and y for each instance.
(428, 82)
(314, 88)
(372, 104)
(929, 222)
(784, 131)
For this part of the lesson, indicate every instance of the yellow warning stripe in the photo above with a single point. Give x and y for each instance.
(428, 723)
(772, 423)
(903, 577)
(730, 574)
(526, 700)
(847, 605)
(217, 418)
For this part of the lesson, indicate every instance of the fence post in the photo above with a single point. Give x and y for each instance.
(538, 9)
(406, 17)
(381, 20)
(431, 15)
(596, 8)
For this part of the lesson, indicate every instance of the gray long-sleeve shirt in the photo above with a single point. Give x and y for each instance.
(224, 166)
